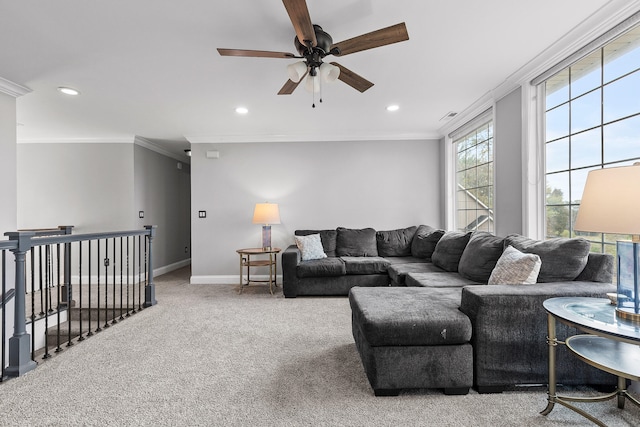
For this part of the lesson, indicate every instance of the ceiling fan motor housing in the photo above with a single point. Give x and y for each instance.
(323, 46)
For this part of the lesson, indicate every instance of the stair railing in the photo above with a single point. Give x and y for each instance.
(112, 277)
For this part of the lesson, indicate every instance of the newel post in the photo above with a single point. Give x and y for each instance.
(20, 343)
(150, 288)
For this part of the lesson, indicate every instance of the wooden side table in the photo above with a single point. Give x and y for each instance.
(270, 261)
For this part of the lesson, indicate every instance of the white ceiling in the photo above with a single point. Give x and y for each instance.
(150, 68)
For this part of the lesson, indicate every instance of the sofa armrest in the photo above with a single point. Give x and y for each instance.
(518, 308)
(510, 330)
(291, 257)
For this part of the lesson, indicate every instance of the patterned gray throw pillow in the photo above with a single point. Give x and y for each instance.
(515, 268)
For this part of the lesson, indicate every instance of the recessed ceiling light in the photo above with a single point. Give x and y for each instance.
(393, 107)
(68, 91)
(242, 110)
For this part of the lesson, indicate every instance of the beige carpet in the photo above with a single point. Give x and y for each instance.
(208, 356)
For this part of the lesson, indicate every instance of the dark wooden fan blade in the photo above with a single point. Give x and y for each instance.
(393, 34)
(352, 79)
(255, 53)
(299, 15)
(290, 86)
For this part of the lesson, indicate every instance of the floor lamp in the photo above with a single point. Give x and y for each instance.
(266, 214)
(611, 204)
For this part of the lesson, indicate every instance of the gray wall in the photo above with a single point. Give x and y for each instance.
(508, 164)
(8, 174)
(89, 186)
(379, 184)
(99, 187)
(163, 192)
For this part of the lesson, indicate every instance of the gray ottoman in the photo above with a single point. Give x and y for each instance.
(412, 338)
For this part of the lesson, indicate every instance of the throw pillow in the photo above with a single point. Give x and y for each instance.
(310, 247)
(395, 242)
(328, 238)
(449, 250)
(515, 268)
(424, 242)
(352, 242)
(562, 259)
(480, 256)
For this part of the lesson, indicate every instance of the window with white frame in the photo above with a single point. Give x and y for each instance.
(592, 121)
(474, 175)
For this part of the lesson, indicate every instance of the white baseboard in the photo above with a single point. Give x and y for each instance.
(135, 278)
(171, 267)
(227, 279)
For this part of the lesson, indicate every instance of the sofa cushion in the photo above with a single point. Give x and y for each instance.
(562, 259)
(326, 267)
(409, 316)
(310, 247)
(353, 242)
(397, 272)
(480, 256)
(424, 241)
(515, 268)
(395, 242)
(449, 250)
(365, 265)
(441, 279)
(394, 260)
(328, 238)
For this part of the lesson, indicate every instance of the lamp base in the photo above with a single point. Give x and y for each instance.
(628, 315)
(266, 237)
(628, 299)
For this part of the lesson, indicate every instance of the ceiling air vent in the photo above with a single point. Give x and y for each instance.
(449, 115)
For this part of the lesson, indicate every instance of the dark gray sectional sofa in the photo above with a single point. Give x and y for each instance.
(423, 315)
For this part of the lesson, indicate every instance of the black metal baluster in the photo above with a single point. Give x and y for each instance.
(90, 333)
(146, 267)
(135, 277)
(66, 288)
(106, 284)
(33, 304)
(49, 277)
(41, 281)
(113, 302)
(58, 292)
(98, 329)
(46, 316)
(139, 273)
(128, 279)
(80, 307)
(4, 314)
(121, 282)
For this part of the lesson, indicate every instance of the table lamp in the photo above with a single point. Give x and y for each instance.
(611, 204)
(266, 213)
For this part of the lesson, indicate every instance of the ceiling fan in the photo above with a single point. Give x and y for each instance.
(314, 44)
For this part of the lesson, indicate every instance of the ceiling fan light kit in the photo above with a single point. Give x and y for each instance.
(313, 44)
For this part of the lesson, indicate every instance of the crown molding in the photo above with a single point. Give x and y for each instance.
(13, 89)
(150, 145)
(608, 16)
(240, 139)
(100, 140)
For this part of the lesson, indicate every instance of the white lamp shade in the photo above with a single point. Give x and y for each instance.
(611, 201)
(296, 71)
(266, 213)
(312, 83)
(329, 72)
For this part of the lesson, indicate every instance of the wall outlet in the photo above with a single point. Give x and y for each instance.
(186, 249)
(202, 214)
(140, 214)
